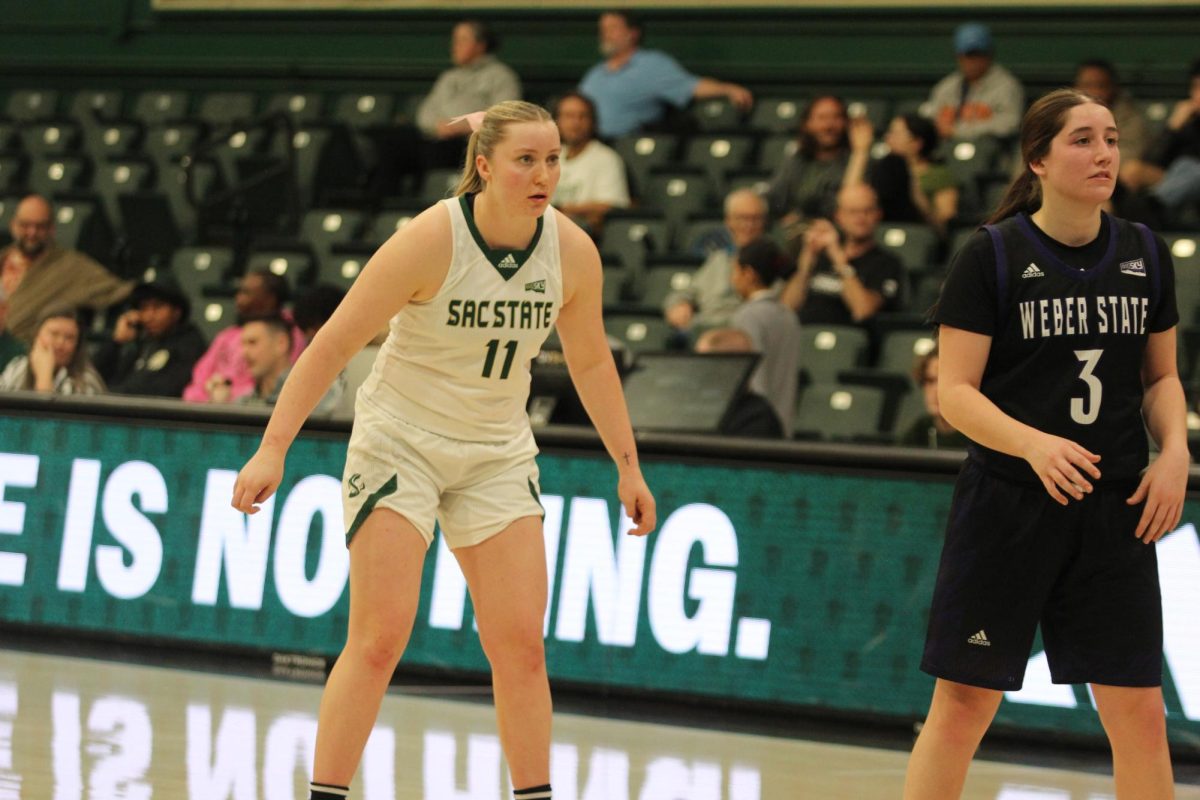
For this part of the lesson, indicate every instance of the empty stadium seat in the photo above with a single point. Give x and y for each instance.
(95, 107)
(226, 108)
(213, 314)
(826, 350)
(901, 349)
(51, 138)
(61, 175)
(642, 152)
(1185, 253)
(716, 114)
(302, 107)
(199, 269)
(775, 150)
(326, 159)
(630, 239)
(385, 223)
(114, 178)
(322, 228)
(159, 107)
(115, 139)
(343, 263)
(80, 224)
(615, 280)
(31, 105)
(658, 282)
(915, 244)
(439, 184)
(719, 155)
(838, 412)
(363, 110)
(641, 333)
(776, 114)
(679, 194)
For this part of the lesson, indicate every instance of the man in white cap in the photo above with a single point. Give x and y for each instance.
(980, 98)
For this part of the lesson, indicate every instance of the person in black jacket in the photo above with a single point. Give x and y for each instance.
(153, 346)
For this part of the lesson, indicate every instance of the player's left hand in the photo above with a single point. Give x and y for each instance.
(639, 503)
(1162, 487)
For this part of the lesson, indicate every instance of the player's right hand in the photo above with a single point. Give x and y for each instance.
(1061, 465)
(257, 481)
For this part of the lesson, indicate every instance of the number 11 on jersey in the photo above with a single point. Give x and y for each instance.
(489, 362)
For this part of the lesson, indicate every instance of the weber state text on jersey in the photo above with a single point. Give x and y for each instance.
(458, 364)
(1069, 327)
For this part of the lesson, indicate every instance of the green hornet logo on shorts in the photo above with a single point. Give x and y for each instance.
(356, 484)
(536, 286)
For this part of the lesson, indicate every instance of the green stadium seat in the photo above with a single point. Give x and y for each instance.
(364, 110)
(719, 155)
(303, 107)
(439, 184)
(775, 150)
(167, 144)
(971, 160)
(80, 224)
(615, 281)
(826, 350)
(295, 264)
(838, 412)
(322, 228)
(213, 314)
(776, 115)
(342, 264)
(901, 349)
(631, 239)
(384, 224)
(915, 244)
(697, 237)
(160, 107)
(220, 109)
(31, 105)
(116, 139)
(641, 333)
(95, 107)
(658, 282)
(1185, 253)
(236, 150)
(51, 138)
(877, 109)
(199, 270)
(716, 114)
(118, 177)
(643, 152)
(679, 194)
(61, 175)
(326, 159)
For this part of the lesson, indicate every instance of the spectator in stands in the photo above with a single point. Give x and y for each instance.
(592, 176)
(36, 274)
(477, 81)
(981, 98)
(769, 327)
(913, 185)
(260, 293)
(153, 346)
(710, 300)
(631, 85)
(10, 346)
(1098, 78)
(57, 362)
(1170, 171)
(931, 429)
(266, 343)
(843, 277)
(806, 185)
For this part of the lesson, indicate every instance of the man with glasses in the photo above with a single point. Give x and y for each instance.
(36, 273)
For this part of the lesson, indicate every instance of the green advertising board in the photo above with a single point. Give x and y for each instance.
(788, 585)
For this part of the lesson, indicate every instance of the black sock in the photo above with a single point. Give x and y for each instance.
(327, 791)
(533, 793)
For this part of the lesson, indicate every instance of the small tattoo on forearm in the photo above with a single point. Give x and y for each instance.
(627, 459)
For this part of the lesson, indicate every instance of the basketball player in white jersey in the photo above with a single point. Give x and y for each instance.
(472, 287)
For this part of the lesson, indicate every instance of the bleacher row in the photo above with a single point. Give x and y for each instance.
(115, 167)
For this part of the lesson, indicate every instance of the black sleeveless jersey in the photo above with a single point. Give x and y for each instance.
(1069, 327)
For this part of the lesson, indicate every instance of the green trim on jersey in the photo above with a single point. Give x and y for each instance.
(536, 498)
(506, 262)
(368, 506)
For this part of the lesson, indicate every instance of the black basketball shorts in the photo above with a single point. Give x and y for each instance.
(1013, 557)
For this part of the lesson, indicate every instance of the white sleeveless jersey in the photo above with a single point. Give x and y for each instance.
(458, 364)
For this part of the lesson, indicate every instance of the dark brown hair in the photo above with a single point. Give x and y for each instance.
(1042, 122)
(80, 363)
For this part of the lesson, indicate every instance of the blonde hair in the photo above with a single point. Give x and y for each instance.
(491, 132)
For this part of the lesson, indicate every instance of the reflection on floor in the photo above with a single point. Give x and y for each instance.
(80, 728)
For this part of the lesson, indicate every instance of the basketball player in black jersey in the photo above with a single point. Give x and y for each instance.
(1057, 340)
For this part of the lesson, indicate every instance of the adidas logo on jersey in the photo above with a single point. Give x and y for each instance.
(508, 262)
(1032, 271)
(536, 286)
(981, 638)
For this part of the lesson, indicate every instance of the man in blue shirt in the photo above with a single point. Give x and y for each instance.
(631, 85)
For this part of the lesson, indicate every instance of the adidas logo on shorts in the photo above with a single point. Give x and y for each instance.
(1032, 271)
(981, 638)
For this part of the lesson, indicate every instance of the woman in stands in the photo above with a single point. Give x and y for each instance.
(472, 287)
(58, 362)
(1057, 339)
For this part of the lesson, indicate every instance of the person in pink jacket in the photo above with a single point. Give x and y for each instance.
(259, 293)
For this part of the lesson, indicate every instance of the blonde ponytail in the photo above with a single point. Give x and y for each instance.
(490, 133)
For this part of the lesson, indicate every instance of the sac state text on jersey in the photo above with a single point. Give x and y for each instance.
(516, 314)
(1083, 316)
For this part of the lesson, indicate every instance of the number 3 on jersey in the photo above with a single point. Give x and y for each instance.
(489, 362)
(1090, 359)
